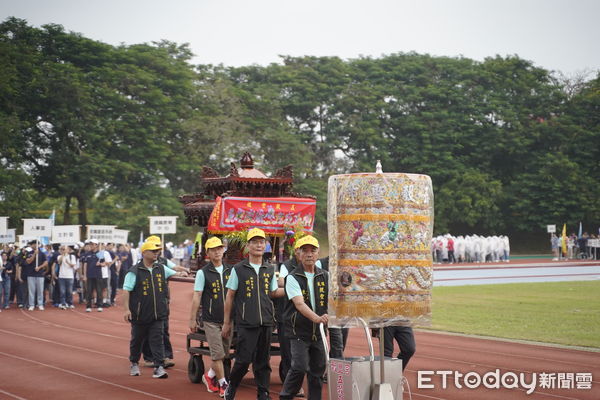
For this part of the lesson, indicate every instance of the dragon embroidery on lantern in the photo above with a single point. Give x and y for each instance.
(380, 229)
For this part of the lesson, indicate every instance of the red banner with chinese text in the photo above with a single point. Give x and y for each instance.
(271, 214)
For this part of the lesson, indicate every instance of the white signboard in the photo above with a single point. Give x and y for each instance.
(178, 253)
(24, 239)
(8, 237)
(102, 233)
(551, 228)
(3, 225)
(65, 234)
(593, 243)
(120, 236)
(163, 225)
(37, 227)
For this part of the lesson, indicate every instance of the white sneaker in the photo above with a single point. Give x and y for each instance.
(88, 310)
(160, 373)
(31, 308)
(71, 306)
(134, 369)
(99, 309)
(41, 308)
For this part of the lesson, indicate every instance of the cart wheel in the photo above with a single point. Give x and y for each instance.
(281, 375)
(227, 367)
(195, 369)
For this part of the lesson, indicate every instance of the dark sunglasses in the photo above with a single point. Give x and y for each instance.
(155, 251)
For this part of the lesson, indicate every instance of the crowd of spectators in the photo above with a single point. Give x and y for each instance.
(577, 247)
(39, 276)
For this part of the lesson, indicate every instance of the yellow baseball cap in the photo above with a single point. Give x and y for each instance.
(307, 240)
(153, 238)
(255, 232)
(213, 242)
(151, 245)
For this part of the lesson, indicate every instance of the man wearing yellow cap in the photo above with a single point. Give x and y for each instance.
(210, 291)
(280, 306)
(306, 288)
(251, 286)
(146, 351)
(146, 307)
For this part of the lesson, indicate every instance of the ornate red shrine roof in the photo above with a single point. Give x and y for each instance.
(244, 181)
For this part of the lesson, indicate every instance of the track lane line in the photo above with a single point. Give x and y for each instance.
(84, 376)
(516, 354)
(14, 396)
(511, 355)
(68, 327)
(40, 339)
(513, 277)
(41, 321)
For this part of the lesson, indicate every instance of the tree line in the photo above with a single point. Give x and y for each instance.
(123, 130)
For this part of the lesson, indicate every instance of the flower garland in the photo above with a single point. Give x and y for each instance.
(292, 234)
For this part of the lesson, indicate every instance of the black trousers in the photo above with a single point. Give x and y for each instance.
(151, 332)
(147, 352)
(114, 283)
(284, 347)
(337, 339)
(253, 345)
(55, 292)
(405, 337)
(94, 284)
(23, 293)
(308, 358)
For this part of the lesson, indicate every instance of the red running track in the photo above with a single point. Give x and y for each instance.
(58, 354)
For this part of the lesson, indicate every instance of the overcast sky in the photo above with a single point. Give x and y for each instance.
(560, 35)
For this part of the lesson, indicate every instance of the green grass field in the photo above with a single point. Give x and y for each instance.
(553, 312)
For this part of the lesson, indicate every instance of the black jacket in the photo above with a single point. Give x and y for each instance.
(297, 325)
(281, 302)
(252, 304)
(148, 300)
(214, 293)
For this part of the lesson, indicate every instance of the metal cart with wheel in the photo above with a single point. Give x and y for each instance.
(200, 348)
(354, 378)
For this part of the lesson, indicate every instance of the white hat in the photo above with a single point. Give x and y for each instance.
(93, 241)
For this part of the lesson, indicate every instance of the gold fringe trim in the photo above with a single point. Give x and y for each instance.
(382, 309)
(384, 263)
(412, 205)
(344, 293)
(383, 217)
(343, 251)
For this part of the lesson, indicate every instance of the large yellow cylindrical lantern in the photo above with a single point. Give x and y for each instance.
(380, 228)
